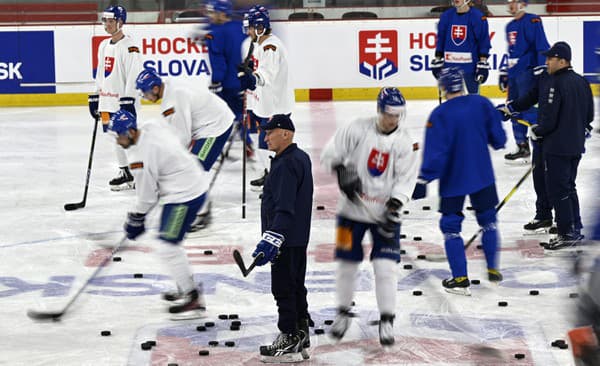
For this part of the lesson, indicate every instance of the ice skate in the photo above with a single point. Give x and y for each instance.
(458, 285)
(341, 323)
(286, 348)
(519, 157)
(494, 276)
(535, 227)
(386, 330)
(202, 220)
(123, 181)
(189, 306)
(304, 331)
(257, 184)
(564, 243)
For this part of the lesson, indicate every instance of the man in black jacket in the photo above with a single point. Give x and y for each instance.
(285, 217)
(566, 110)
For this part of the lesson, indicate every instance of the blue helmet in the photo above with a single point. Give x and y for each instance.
(451, 79)
(147, 79)
(390, 100)
(223, 6)
(121, 121)
(259, 15)
(116, 12)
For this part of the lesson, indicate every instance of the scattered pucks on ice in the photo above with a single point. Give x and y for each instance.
(402, 251)
(213, 343)
(557, 342)
(236, 323)
(146, 346)
(328, 322)
(152, 343)
(519, 356)
(234, 327)
(138, 275)
(320, 208)
(203, 352)
(426, 208)
(208, 252)
(475, 282)
(319, 331)
(230, 343)
(417, 293)
(209, 324)
(534, 292)
(421, 256)
(406, 212)
(223, 316)
(233, 316)
(502, 303)
(201, 328)
(402, 236)
(563, 346)
(408, 266)
(117, 259)
(573, 295)
(105, 333)
(417, 238)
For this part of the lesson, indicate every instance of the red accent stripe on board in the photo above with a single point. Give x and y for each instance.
(320, 94)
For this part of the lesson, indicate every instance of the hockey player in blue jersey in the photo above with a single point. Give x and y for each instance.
(463, 41)
(526, 40)
(224, 43)
(457, 136)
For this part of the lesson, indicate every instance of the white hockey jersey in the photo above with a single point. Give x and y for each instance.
(250, 94)
(163, 169)
(274, 93)
(386, 165)
(119, 64)
(194, 112)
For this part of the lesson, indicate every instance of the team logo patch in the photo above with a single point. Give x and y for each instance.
(512, 38)
(459, 34)
(136, 165)
(378, 162)
(378, 53)
(109, 63)
(168, 112)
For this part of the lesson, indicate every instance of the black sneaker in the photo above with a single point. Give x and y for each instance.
(386, 329)
(494, 275)
(189, 306)
(122, 181)
(536, 225)
(458, 285)
(285, 348)
(259, 182)
(521, 155)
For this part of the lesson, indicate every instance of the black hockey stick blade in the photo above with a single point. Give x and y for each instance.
(44, 315)
(74, 206)
(237, 257)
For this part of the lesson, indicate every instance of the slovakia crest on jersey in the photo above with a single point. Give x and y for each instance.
(109, 63)
(459, 34)
(378, 162)
(378, 53)
(512, 38)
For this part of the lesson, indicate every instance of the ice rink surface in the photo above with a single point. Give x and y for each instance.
(47, 253)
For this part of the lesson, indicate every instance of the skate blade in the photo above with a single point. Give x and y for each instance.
(517, 162)
(187, 315)
(122, 187)
(458, 291)
(285, 358)
(256, 188)
(305, 355)
(542, 231)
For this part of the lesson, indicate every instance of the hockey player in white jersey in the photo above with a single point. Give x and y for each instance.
(268, 81)
(202, 120)
(119, 63)
(376, 165)
(164, 171)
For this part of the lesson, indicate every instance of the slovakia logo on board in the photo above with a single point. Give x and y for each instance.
(378, 53)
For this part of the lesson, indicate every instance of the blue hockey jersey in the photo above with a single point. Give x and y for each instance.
(526, 39)
(456, 152)
(224, 44)
(462, 38)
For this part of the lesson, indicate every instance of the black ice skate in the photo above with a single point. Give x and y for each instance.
(341, 323)
(259, 182)
(286, 348)
(563, 243)
(190, 306)
(123, 181)
(386, 329)
(304, 332)
(521, 156)
(494, 275)
(458, 285)
(536, 226)
(202, 219)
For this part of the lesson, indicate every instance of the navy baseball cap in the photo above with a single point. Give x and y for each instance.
(279, 121)
(560, 50)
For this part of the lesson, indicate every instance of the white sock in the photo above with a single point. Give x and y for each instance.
(176, 261)
(386, 283)
(121, 156)
(344, 282)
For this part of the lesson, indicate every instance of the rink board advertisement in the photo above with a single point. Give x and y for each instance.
(331, 55)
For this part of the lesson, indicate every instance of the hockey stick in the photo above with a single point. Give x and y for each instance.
(237, 257)
(75, 206)
(56, 315)
(245, 133)
(442, 257)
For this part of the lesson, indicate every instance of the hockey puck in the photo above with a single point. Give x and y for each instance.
(421, 256)
(230, 343)
(408, 266)
(233, 316)
(502, 303)
(563, 346)
(417, 293)
(557, 343)
(417, 238)
(519, 356)
(573, 295)
(328, 322)
(426, 208)
(319, 331)
(402, 236)
(406, 212)
(203, 352)
(105, 333)
(116, 259)
(223, 316)
(172, 364)
(146, 346)
(208, 252)
(320, 208)
(213, 343)
(475, 282)
(234, 327)
(534, 292)
(236, 323)
(469, 208)
(201, 328)
(152, 343)
(138, 275)
(209, 324)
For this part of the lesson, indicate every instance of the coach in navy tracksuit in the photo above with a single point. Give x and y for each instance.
(285, 217)
(566, 110)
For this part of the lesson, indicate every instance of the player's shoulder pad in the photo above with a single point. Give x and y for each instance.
(270, 47)
(133, 49)
(415, 146)
(168, 112)
(136, 165)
